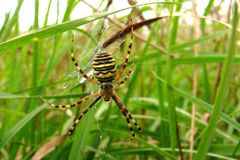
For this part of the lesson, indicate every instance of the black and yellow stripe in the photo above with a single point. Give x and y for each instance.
(76, 104)
(126, 114)
(77, 120)
(81, 71)
(104, 67)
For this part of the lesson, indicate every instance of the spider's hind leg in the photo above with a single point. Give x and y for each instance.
(126, 114)
(128, 122)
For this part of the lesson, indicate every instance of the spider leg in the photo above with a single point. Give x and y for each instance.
(77, 120)
(78, 67)
(126, 114)
(126, 77)
(124, 65)
(73, 104)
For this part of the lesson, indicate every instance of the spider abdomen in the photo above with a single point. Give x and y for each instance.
(104, 67)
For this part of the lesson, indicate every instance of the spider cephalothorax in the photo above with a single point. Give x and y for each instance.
(105, 73)
(106, 90)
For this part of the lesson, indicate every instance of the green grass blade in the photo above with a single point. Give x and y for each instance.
(174, 29)
(15, 129)
(206, 12)
(222, 91)
(60, 28)
(169, 92)
(89, 35)
(202, 39)
(207, 86)
(202, 103)
(204, 59)
(157, 149)
(35, 50)
(11, 22)
(164, 127)
(149, 151)
(7, 16)
(201, 59)
(47, 13)
(70, 7)
(82, 135)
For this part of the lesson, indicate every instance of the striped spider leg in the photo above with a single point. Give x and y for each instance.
(89, 79)
(124, 65)
(78, 103)
(75, 104)
(126, 77)
(115, 97)
(77, 120)
(126, 114)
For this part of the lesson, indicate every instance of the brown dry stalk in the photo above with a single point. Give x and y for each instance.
(196, 35)
(48, 147)
(122, 26)
(127, 30)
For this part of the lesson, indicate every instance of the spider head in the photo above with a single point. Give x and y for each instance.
(106, 90)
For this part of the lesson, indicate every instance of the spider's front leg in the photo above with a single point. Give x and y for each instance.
(124, 65)
(89, 79)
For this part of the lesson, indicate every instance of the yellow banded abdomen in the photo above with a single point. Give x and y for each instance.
(104, 67)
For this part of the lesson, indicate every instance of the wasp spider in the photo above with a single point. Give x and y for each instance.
(105, 73)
